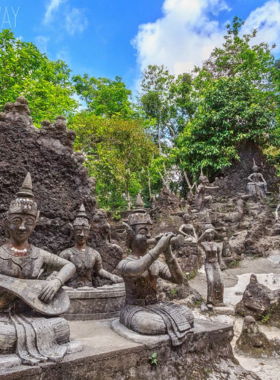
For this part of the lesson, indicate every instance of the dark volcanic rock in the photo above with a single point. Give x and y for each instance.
(60, 181)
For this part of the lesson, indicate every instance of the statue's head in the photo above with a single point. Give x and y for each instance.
(186, 218)
(203, 179)
(210, 234)
(138, 233)
(81, 226)
(22, 215)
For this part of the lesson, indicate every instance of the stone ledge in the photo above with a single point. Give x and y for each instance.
(107, 356)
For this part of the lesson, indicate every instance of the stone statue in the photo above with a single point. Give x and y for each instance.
(226, 251)
(140, 271)
(215, 285)
(203, 201)
(23, 296)
(258, 185)
(86, 260)
(187, 229)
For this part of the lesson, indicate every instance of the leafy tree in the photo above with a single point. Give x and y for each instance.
(236, 101)
(104, 97)
(25, 71)
(118, 152)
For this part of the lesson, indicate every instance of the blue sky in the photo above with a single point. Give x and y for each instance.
(120, 37)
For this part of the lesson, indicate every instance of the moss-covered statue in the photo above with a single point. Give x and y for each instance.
(24, 298)
(140, 271)
(86, 259)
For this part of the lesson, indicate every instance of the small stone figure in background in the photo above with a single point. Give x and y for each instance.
(140, 270)
(258, 185)
(187, 229)
(226, 250)
(203, 201)
(253, 342)
(23, 294)
(215, 285)
(86, 259)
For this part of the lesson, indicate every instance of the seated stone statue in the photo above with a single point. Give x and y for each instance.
(258, 185)
(187, 229)
(23, 296)
(86, 259)
(140, 270)
(215, 285)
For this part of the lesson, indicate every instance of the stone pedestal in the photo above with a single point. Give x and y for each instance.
(95, 303)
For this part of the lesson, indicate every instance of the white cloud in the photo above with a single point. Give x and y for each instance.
(52, 7)
(267, 20)
(186, 35)
(42, 43)
(75, 21)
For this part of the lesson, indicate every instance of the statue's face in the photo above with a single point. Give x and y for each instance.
(211, 235)
(20, 227)
(142, 234)
(81, 234)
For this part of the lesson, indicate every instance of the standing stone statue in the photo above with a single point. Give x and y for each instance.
(203, 201)
(140, 270)
(187, 229)
(23, 296)
(215, 285)
(258, 185)
(86, 260)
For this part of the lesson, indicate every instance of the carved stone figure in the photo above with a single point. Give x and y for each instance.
(140, 271)
(258, 185)
(215, 285)
(203, 201)
(23, 296)
(187, 229)
(226, 251)
(253, 342)
(86, 260)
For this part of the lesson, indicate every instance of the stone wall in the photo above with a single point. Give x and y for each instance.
(60, 181)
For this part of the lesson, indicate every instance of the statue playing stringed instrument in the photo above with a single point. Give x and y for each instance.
(24, 297)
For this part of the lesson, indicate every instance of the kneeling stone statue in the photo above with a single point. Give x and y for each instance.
(142, 312)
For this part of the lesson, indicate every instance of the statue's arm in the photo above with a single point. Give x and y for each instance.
(101, 272)
(250, 177)
(65, 268)
(171, 271)
(137, 267)
(264, 181)
(181, 230)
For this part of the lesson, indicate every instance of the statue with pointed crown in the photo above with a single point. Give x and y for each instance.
(24, 298)
(203, 201)
(258, 185)
(86, 259)
(140, 270)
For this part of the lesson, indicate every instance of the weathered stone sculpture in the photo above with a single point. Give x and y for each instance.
(140, 270)
(86, 260)
(215, 285)
(253, 342)
(23, 296)
(187, 229)
(258, 185)
(203, 201)
(260, 302)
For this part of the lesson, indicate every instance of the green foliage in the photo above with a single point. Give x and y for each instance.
(119, 153)
(174, 292)
(236, 101)
(153, 359)
(25, 71)
(104, 97)
(192, 274)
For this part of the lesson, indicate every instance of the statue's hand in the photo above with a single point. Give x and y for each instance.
(116, 279)
(49, 290)
(164, 242)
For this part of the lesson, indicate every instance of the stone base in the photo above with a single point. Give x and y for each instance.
(148, 340)
(95, 303)
(108, 356)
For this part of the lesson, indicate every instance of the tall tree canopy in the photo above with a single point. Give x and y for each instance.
(236, 101)
(25, 71)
